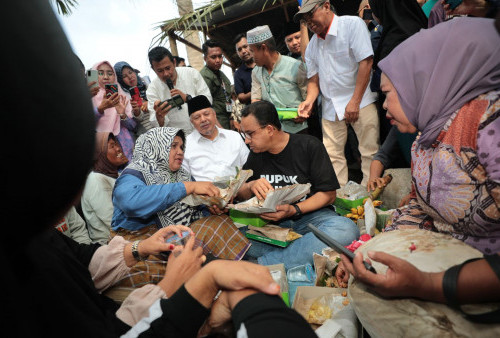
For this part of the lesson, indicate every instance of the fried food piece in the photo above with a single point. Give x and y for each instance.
(318, 313)
(292, 235)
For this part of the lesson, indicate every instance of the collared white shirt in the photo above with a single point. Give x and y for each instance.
(206, 159)
(336, 60)
(190, 82)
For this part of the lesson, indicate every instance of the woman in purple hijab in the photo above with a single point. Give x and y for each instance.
(444, 82)
(450, 94)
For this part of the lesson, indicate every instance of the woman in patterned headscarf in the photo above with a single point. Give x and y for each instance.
(148, 194)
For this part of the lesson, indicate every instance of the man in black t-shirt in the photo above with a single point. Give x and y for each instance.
(278, 159)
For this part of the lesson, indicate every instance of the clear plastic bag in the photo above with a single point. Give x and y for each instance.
(353, 191)
(324, 307)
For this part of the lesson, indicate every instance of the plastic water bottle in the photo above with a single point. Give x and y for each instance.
(301, 273)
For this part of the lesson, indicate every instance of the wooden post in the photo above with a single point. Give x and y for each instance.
(173, 44)
(195, 58)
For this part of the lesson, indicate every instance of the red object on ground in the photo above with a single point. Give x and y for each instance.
(356, 244)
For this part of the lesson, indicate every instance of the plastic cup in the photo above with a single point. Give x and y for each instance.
(301, 273)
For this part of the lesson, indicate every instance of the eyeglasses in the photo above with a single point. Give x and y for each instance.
(248, 135)
(308, 16)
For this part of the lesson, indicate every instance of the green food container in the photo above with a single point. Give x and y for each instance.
(267, 240)
(287, 113)
(346, 204)
(246, 218)
(286, 298)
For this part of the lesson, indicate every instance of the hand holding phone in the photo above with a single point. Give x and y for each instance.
(111, 89)
(174, 102)
(179, 240)
(92, 76)
(176, 240)
(136, 95)
(367, 14)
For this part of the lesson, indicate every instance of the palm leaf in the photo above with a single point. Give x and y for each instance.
(65, 7)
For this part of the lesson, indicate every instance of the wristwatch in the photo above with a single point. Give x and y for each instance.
(135, 252)
(299, 212)
(188, 98)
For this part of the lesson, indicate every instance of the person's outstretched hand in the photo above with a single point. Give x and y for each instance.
(182, 264)
(282, 212)
(232, 276)
(401, 279)
(374, 183)
(157, 242)
(341, 274)
(305, 108)
(201, 188)
(260, 188)
(220, 313)
(93, 90)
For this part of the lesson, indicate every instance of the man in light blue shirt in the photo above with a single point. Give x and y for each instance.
(277, 78)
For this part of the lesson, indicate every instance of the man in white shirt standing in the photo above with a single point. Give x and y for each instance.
(211, 151)
(171, 81)
(339, 59)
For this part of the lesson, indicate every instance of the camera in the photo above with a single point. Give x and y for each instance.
(174, 102)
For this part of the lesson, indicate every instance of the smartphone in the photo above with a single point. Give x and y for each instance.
(179, 240)
(337, 246)
(111, 89)
(136, 95)
(92, 76)
(176, 240)
(367, 14)
(175, 101)
(453, 3)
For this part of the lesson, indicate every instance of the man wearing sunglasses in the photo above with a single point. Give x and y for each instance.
(279, 159)
(339, 58)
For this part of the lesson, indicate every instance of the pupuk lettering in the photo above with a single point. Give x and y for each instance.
(276, 179)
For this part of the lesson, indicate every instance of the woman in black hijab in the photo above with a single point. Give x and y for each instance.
(400, 19)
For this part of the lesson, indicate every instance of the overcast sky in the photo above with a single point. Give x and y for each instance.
(120, 30)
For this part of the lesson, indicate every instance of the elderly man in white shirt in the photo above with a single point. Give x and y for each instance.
(339, 59)
(211, 151)
(184, 81)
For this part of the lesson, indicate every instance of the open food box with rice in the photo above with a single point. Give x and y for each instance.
(327, 310)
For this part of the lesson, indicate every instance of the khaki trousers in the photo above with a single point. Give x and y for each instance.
(335, 138)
